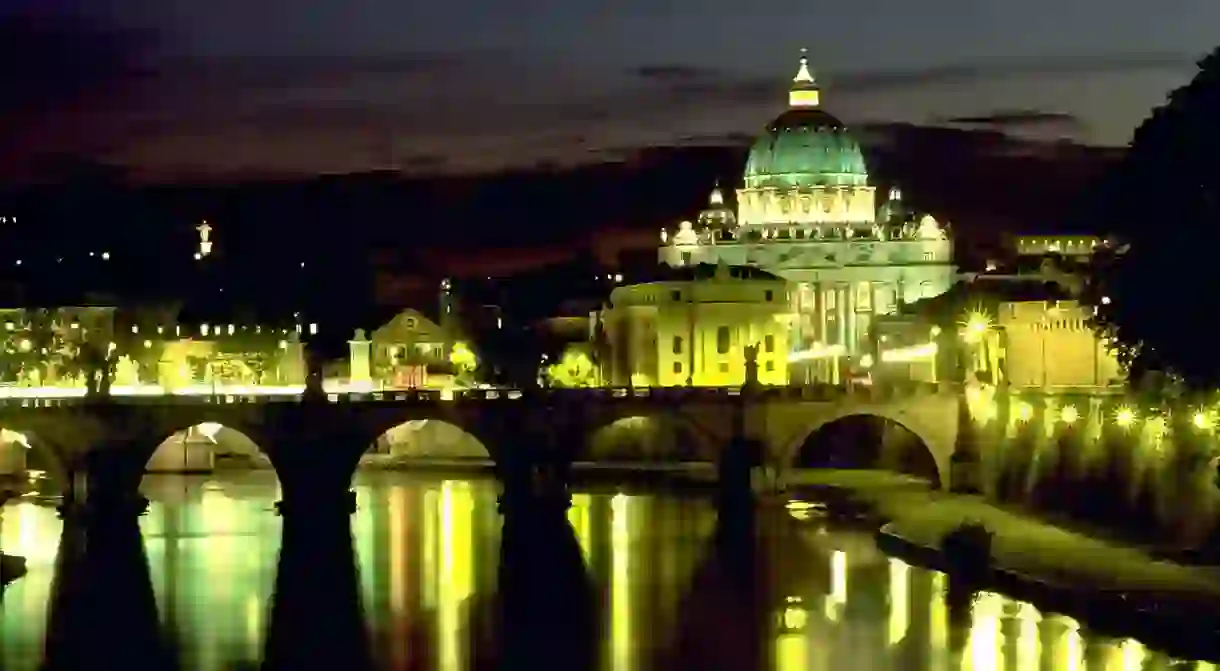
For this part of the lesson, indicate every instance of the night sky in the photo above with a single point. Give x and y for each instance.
(230, 88)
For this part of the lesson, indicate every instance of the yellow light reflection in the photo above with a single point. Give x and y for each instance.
(1133, 654)
(1125, 417)
(939, 616)
(254, 625)
(31, 532)
(985, 652)
(791, 652)
(1069, 646)
(837, 598)
(398, 558)
(620, 594)
(899, 604)
(1029, 645)
(429, 539)
(578, 517)
(457, 505)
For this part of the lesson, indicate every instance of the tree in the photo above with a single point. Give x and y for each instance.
(464, 362)
(1152, 286)
(574, 369)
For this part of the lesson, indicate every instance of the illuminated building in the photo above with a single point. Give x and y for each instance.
(1050, 344)
(403, 349)
(692, 325)
(807, 213)
(1018, 329)
(1068, 246)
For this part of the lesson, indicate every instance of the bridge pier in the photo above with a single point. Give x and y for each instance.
(105, 485)
(316, 482)
(532, 477)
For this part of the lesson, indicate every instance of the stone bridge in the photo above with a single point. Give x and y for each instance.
(329, 435)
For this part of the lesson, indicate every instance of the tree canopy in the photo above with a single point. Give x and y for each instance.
(1152, 286)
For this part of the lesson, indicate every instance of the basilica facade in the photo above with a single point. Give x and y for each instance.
(806, 212)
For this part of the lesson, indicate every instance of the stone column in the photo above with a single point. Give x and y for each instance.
(819, 312)
(360, 375)
(841, 314)
(796, 332)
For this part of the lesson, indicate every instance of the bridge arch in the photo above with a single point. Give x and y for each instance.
(203, 446)
(427, 439)
(646, 438)
(25, 454)
(868, 439)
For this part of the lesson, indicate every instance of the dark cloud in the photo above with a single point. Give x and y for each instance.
(1012, 117)
(1018, 119)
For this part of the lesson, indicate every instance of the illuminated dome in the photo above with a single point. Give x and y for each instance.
(805, 146)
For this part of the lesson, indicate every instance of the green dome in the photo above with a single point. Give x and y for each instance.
(805, 147)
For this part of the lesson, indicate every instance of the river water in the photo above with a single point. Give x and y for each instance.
(649, 582)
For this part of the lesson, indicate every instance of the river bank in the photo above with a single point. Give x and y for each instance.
(1117, 588)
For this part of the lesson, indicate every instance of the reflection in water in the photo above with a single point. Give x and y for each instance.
(317, 617)
(440, 590)
(102, 603)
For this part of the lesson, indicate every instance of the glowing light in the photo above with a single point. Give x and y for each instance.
(1202, 420)
(1069, 414)
(1125, 417)
(976, 325)
(1025, 411)
(818, 351)
(866, 361)
(914, 353)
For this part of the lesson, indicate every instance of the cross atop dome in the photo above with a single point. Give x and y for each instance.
(804, 91)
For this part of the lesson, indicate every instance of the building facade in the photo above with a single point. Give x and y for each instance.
(1050, 344)
(692, 328)
(807, 213)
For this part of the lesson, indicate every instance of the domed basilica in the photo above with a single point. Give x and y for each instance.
(806, 212)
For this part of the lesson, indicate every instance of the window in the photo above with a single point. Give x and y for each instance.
(770, 295)
(677, 344)
(686, 258)
(722, 340)
(677, 367)
(829, 297)
(770, 366)
(724, 366)
(769, 343)
(929, 256)
(677, 295)
(864, 297)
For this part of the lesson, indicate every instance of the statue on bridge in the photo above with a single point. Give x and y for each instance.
(99, 368)
(751, 356)
(313, 375)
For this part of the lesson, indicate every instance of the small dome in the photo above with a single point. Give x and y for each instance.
(717, 215)
(805, 146)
